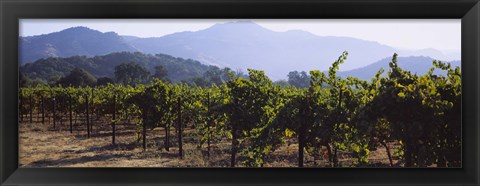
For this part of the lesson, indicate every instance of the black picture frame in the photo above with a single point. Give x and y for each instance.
(13, 10)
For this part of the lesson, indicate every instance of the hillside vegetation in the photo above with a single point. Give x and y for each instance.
(414, 119)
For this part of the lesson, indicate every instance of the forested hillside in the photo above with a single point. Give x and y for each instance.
(52, 69)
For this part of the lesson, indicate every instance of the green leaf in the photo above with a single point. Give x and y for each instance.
(289, 133)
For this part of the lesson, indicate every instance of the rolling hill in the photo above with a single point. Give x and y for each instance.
(416, 64)
(71, 42)
(238, 45)
(104, 66)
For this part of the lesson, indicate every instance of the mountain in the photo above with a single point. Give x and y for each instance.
(415, 64)
(130, 38)
(433, 53)
(244, 44)
(104, 66)
(238, 45)
(71, 42)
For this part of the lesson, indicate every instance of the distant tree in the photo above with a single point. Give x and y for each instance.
(226, 74)
(77, 78)
(239, 73)
(131, 74)
(24, 81)
(161, 73)
(104, 81)
(199, 81)
(282, 83)
(53, 80)
(299, 79)
(216, 75)
(213, 75)
(38, 81)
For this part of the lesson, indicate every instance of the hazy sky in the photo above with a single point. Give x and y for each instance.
(444, 34)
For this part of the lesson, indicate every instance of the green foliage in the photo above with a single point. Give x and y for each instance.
(78, 78)
(161, 73)
(131, 74)
(213, 76)
(423, 112)
(348, 115)
(104, 81)
(178, 69)
(251, 107)
(298, 79)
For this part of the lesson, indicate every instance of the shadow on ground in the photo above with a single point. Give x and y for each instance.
(73, 161)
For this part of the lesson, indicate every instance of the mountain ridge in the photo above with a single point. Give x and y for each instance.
(178, 69)
(71, 42)
(238, 45)
(416, 64)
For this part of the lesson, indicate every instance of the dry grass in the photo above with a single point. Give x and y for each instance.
(41, 145)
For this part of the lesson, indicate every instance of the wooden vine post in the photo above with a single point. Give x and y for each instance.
(70, 112)
(92, 111)
(167, 131)
(167, 137)
(31, 108)
(54, 113)
(144, 133)
(335, 150)
(209, 126)
(114, 117)
(88, 117)
(301, 138)
(62, 106)
(234, 141)
(39, 110)
(43, 109)
(179, 125)
(21, 106)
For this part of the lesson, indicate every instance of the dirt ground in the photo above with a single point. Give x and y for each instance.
(42, 145)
